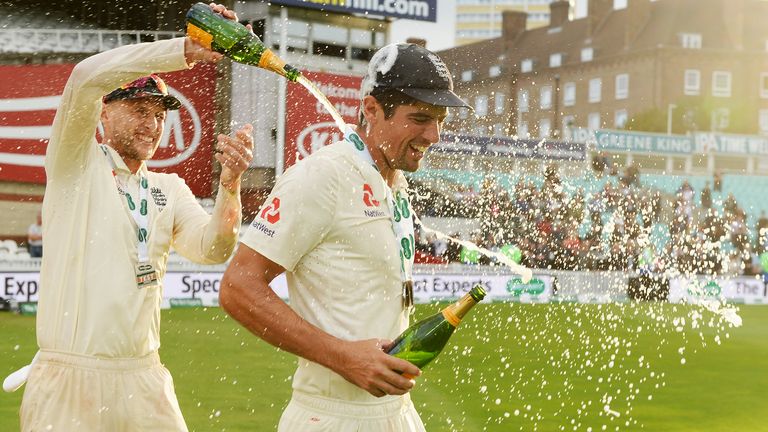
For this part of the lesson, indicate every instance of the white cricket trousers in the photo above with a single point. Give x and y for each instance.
(71, 392)
(309, 413)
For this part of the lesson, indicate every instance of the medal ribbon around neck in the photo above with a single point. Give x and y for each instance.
(400, 209)
(140, 212)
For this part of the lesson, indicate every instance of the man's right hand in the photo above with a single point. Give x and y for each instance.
(366, 365)
(194, 52)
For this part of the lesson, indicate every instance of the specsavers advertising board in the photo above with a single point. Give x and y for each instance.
(741, 290)
(202, 289)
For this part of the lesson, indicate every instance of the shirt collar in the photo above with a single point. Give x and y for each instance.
(120, 164)
(399, 183)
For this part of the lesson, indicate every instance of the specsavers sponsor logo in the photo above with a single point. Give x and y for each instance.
(516, 287)
(185, 302)
(708, 290)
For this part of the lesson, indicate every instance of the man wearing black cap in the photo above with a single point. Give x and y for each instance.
(339, 224)
(109, 225)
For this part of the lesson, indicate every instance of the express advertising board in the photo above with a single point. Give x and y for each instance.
(423, 10)
(202, 288)
(308, 125)
(30, 96)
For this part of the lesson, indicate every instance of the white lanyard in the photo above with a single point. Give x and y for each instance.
(400, 214)
(140, 212)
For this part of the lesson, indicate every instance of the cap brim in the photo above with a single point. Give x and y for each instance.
(171, 102)
(437, 97)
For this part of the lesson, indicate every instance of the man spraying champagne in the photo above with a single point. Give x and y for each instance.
(107, 241)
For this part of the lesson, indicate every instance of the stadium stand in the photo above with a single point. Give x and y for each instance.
(57, 32)
(609, 222)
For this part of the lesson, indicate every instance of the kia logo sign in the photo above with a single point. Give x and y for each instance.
(174, 147)
(30, 95)
(317, 136)
(166, 155)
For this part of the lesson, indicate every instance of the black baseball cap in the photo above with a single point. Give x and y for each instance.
(413, 70)
(147, 86)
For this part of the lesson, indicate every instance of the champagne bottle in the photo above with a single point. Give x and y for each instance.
(423, 341)
(234, 40)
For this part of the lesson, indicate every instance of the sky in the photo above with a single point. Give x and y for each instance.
(440, 35)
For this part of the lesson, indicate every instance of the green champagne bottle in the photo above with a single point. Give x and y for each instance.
(423, 341)
(234, 40)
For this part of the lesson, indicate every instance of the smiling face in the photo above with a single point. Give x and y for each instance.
(400, 141)
(133, 127)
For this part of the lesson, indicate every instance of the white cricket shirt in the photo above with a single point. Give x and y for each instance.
(327, 222)
(89, 302)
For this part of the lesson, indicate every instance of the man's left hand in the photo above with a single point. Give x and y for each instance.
(235, 154)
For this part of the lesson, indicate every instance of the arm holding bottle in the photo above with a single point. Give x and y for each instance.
(245, 295)
(73, 129)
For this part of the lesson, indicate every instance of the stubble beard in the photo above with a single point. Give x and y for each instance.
(130, 150)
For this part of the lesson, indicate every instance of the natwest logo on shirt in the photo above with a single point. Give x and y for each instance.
(368, 198)
(271, 212)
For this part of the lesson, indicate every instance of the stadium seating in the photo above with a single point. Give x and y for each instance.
(25, 31)
(10, 246)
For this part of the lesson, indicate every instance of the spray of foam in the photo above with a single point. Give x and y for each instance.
(382, 62)
(525, 273)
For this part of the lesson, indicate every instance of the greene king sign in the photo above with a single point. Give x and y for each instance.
(423, 10)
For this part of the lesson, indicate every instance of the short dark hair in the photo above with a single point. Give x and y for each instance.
(389, 100)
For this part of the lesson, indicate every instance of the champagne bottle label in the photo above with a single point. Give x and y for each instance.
(451, 317)
(199, 35)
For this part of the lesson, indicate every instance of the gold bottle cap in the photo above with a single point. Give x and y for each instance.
(270, 61)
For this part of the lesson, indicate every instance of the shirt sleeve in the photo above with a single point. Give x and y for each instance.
(200, 237)
(74, 126)
(298, 213)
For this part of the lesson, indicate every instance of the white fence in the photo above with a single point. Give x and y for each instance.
(35, 40)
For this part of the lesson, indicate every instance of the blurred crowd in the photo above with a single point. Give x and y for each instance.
(625, 226)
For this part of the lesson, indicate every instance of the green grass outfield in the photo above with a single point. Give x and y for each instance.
(652, 367)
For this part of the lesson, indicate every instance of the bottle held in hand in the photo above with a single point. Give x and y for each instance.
(234, 40)
(423, 341)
